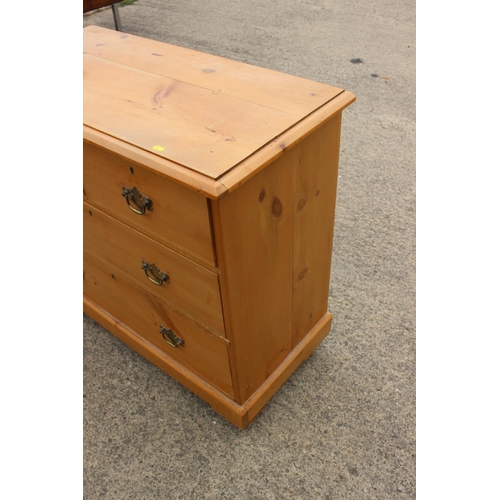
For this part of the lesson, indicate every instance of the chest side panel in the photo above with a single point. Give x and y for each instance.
(315, 188)
(256, 244)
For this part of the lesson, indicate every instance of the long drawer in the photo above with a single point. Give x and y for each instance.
(156, 206)
(168, 275)
(155, 322)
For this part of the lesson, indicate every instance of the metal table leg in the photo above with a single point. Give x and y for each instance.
(116, 16)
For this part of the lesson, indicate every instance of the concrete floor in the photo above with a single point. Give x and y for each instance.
(343, 426)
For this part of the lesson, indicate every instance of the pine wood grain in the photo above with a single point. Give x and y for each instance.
(198, 128)
(255, 255)
(225, 297)
(315, 187)
(241, 164)
(272, 89)
(235, 177)
(143, 312)
(163, 168)
(178, 218)
(239, 415)
(300, 352)
(190, 285)
(219, 401)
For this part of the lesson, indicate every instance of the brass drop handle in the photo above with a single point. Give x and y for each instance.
(154, 274)
(135, 201)
(170, 337)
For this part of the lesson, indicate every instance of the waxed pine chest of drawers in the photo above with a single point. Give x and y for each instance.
(209, 201)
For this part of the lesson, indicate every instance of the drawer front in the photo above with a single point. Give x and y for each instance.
(189, 285)
(145, 313)
(178, 217)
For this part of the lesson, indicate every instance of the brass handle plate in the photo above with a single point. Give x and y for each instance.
(154, 274)
(135, 201)
(170, 337)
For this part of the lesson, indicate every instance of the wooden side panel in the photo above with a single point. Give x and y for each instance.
(315, 187)
(179, 217)
(301, 351)
(255, 251)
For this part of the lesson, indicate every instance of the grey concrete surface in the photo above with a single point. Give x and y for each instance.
(343, 426)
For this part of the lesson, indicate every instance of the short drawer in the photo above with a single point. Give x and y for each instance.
(165, 273)
(175, 215)
(155, 322)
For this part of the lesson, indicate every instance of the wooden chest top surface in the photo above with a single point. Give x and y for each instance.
(199, 111)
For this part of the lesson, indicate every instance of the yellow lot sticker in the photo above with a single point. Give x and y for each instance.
(158, 148)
